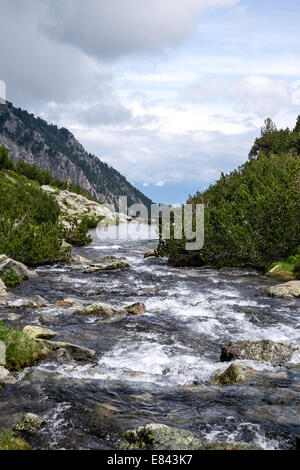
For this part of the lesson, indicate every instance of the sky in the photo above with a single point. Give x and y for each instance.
(169, 92)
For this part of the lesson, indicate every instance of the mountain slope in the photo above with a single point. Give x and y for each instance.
(32, 139)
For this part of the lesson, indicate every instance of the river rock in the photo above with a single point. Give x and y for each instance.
(80, 260)
(67, 303)
(6, 377)
(38, 332)
(265, 350)
(108, 263)
(78, 353)
(136, 309)
(150, 254)
(235, 373)
(99, 309)
(289, 289)
(35, 301)
(161, 437)
(30, 423)
(3, 292)
(8, 263)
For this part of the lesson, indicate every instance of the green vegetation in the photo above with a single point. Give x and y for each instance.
(252, 215)
(92, 221)
(30, 230)
(21, 350)
(297, 270)
(11, 278)
(8, 441)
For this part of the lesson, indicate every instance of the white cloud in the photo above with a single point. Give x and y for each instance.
(260, 94)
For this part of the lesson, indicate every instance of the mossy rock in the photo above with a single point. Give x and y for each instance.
(30, 423)
(234, 374)
(162, 437)
(266, 350)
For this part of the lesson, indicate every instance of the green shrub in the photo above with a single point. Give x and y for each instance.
(11, 278)
(252, 215)
(21, 350)
(297, 270)
(78, 235)
(92, 221)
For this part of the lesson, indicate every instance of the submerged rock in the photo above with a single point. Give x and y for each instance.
(289, 289)
(161, 437)
(136, 309)
(68, 303)
(78, 353)
(3, 291)
(35, 301)
(8, 263)
(265, 350)
(30, 423)
(38, 332)
(6, 377)
(99, 309)
(235, 373)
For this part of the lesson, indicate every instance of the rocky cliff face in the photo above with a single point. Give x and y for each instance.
(48, 147)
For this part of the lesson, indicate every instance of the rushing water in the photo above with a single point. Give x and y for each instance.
(157, 367)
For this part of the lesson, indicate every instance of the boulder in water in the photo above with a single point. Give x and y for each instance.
(136, 309)
(150, 254)
(108, 263)
(99, 309)
(80, 260)
(37, 332)
(68, 303)
(265, 350)
(78, 353)
(235, 373)
(289, 289)
(8, 263)
(161, 437)
(30, 423)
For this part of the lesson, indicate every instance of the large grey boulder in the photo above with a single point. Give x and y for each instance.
(266, 350)
(289, 289)
(8, 263)
(161, 437)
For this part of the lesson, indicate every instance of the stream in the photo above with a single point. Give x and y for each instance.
(157, 367)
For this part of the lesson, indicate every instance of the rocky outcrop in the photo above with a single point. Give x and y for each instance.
(102, 310)
(161, 437)
(266, 350)
(8, 263)
(57, 150)
(289, 289)
(37, 332)
(136, 309)
(3, 291)
(234, 374)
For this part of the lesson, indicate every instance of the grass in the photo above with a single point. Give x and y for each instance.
(8, 441)
(21, 350)
(289, 265)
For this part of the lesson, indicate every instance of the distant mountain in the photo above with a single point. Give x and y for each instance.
(32, 139)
